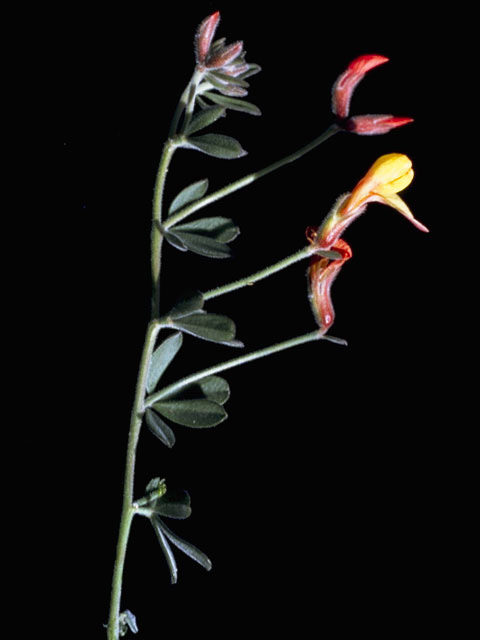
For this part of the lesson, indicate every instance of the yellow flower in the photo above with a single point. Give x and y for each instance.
(387, 176)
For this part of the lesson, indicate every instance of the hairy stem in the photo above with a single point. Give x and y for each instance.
(127, 509)
(245, 181)
(306, 252)
(156, 235)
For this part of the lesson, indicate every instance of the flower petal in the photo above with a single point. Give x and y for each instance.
(399, 205)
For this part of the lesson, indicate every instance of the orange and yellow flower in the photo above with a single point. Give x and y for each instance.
(387, 176)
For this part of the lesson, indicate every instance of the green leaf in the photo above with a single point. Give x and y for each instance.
(205, 118)
(156, 488)
(208, 326)
(174, 240)
(200, 244)
(217, 145)
(170, 558)
(189, 549)
(212, 388)
(159, 428)
(175, 504)
(217, 228)
(127, 621)
(161, 358)
(188, 303)
(219, 80)
(233, 103)
(193, 192)
(331, 255)
(252, 70)
(192, 413)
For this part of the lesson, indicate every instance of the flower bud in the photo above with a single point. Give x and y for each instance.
(370, 125)
(225, 56)
(345, 84)
(204, 36)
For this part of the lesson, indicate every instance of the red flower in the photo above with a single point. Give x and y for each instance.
(345, 84)
(322, 272)
(342, 94)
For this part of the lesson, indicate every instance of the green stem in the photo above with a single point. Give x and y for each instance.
(230, 364)
(259, 275)
(128, 511)
(156, 235)
(245, 181)
(187, 103)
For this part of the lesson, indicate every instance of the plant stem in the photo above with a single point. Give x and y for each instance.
(259, 275)
(187, 103)
(156, 235)
(127, 510)
(245, 181)
(230, 364)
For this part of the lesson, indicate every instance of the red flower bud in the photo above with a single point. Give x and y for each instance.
(370, 125)
(345, 84)
(225, 56)
(204, 36)
(322, 272)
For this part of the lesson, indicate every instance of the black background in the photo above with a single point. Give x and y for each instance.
(320, 500)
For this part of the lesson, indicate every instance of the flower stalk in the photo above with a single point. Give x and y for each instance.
(259, 275)
(250, 178)
(177, 386)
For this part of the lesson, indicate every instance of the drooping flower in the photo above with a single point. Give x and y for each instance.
(342, 92)
(387, 176)
(321, 274)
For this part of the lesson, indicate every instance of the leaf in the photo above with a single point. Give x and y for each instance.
(159, 428)
(205, 118)
(212, 388)
(199, 244)
(217, 145)
(220, 80)
(188, 303)
(233, 103)
(193, 192)
(332, 255)
(156, 488)
(170, 558)
(192, 413)
(174, 240)
(161, 358)
(208, 326)
(174, 504)
(252, 70)
(217, 228)
(189, 549)
(127, 620)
